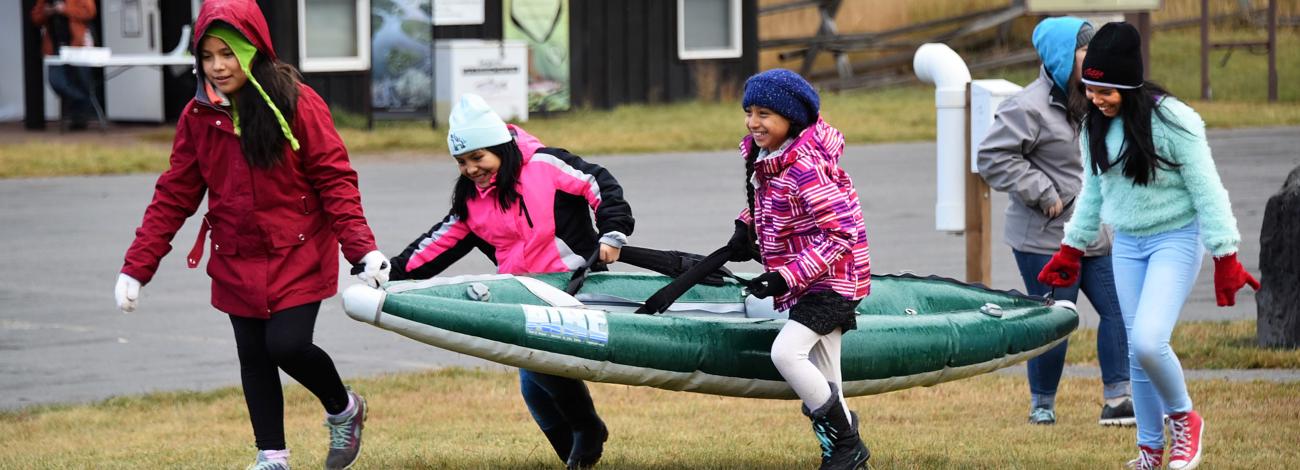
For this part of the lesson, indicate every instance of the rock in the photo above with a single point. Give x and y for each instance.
(1278, 299)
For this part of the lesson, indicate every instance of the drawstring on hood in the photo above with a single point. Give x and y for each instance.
(245, 51)
(1056, 40)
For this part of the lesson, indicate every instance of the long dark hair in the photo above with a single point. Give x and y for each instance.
(795, 131)
(1138, 152)
(1076, 101)
(507, 181)
(260, 136)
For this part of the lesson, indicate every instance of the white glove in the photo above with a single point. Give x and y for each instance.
(375, 269)
(127, 292)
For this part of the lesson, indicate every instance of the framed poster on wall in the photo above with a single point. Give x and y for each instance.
(544, 26)
(401, 52)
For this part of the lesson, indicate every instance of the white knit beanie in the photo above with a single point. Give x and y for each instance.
(473, 125)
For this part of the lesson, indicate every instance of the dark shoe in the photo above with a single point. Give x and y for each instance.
(1119, 415)
(345, 436)
(1042, 416)
(842, 449)
(561, 439)
(588, 445)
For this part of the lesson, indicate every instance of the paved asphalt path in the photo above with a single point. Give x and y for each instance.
(62, 340)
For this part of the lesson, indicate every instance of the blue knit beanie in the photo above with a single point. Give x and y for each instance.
(473, 125)
(786, 93)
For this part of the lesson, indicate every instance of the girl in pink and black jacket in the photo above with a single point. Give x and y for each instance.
(805, 216)
(527, 207)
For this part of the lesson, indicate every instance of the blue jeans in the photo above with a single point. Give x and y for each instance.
(73, 87)
(1098, 283)
(557, 402)
(1153, 276)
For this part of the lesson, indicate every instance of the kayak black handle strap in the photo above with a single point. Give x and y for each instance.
(664, 297)
(580, 274)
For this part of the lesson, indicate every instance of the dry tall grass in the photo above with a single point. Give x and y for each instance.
(456, 419)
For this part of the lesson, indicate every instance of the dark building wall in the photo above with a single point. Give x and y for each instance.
(33, 70)
(178, 88)
(625, 51)
(347, 91)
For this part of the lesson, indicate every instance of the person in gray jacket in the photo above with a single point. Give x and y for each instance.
(1032, 153)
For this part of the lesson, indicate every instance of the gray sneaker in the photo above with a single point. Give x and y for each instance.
(345, 436)
(263, 464)
(1043, 416)
(1119, 415)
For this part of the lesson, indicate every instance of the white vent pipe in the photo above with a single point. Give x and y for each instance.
(938, 64)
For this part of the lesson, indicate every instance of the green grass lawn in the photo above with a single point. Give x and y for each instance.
(1203, 345)
(902, 113)
(455, 419)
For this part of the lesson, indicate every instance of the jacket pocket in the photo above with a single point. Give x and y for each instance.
(224, 244)
(296, 232)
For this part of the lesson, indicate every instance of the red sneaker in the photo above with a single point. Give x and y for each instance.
(1148, 459)
(1186, 428)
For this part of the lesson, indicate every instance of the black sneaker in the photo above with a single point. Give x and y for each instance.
(1119, 415)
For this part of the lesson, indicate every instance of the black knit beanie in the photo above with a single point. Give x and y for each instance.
(1114, 57)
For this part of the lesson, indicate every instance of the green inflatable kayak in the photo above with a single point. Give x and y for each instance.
(912, 331)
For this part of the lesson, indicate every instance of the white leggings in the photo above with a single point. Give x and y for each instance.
(810, 363)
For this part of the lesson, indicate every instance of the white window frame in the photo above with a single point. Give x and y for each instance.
(732, 52)
(361, 61)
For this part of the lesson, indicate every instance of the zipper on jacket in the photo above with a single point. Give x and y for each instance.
(523, 208)
(215, 108)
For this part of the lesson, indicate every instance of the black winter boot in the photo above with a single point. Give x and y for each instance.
(588, 444)
(573, 401)
(842, 449)
(561, 439)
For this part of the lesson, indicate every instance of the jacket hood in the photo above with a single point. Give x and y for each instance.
(1055, 40)
(243, 15)
(826, 141)
(528, 145)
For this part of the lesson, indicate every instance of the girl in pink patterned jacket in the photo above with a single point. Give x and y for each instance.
(805, 217)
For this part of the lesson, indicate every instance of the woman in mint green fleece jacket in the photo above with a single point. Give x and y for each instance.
(1152, 179)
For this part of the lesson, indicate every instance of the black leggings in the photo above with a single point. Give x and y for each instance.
(283, 342)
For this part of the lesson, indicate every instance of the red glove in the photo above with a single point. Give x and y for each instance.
(1229, 277)
(1063, 269)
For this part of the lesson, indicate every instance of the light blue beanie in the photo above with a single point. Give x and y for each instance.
(474, 125)
(1056, 39)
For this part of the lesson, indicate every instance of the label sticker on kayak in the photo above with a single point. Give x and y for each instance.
(567, 324)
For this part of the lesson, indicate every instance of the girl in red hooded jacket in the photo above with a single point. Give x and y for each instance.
(282, 197)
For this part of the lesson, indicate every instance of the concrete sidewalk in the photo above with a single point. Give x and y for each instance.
(63, 340)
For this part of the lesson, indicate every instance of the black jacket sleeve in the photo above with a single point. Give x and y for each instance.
(445, 243)
(613, 214)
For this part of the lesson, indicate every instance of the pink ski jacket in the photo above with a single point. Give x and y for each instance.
(550, 230)
(808, 218)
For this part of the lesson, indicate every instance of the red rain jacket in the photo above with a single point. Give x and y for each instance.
(275, 233)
